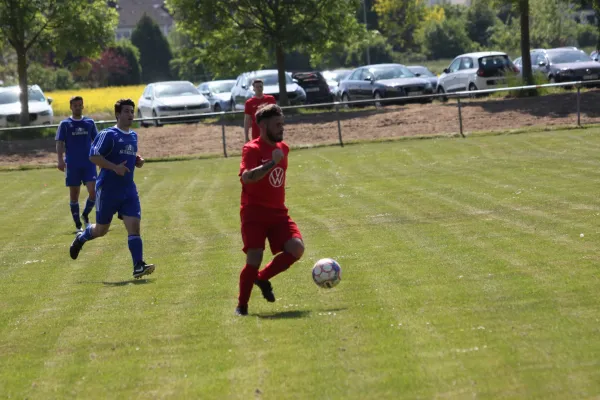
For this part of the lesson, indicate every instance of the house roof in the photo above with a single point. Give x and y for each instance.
(130, 12)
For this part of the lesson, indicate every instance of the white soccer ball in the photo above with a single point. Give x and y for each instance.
(327, 273)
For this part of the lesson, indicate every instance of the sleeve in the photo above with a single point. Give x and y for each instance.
(248, 107)
(93, 131)
(102, 144)
(271, 100)
(61, 133)
(250, 159)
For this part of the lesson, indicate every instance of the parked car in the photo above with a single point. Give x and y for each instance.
(218, 94)
(40, 106)
(168, 99)
(595, 55)
(316, 87)
(564, 65)
(242, 90)
(381, 81)
(476, 71)
(424, 72)
(334, 77)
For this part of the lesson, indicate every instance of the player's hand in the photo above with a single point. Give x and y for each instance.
(277, 155)
(121, 169)
(62, 165)
(139, 161)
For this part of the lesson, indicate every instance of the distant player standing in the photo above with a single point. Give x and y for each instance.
(73, 140)
(252, 105)
(115, 152)
(263, 212)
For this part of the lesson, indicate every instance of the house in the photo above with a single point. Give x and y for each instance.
(131, 11)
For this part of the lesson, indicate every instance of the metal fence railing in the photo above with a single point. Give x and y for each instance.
(336, 106)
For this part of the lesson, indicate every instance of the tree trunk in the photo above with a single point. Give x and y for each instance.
(22, 71)
(525, 49)
(280, 57)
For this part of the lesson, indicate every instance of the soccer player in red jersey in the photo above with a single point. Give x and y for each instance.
(252, 105)
(263, 211)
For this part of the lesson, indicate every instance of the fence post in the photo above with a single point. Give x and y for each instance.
(223, 134)
(337, 114)
(460, 122)
(579, 105)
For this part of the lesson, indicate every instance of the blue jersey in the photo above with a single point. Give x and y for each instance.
(116, 146)
(78, 135)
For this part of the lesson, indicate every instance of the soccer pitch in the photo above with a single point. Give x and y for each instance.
(464, 275)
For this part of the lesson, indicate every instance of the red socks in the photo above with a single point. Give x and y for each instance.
(280, 263)
(247, 278)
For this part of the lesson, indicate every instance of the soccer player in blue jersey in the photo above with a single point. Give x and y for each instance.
(115, 152)
(73, 141)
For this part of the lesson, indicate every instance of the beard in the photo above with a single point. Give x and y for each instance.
(273, 137)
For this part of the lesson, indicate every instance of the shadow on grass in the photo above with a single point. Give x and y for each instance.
(120, 283)
(285, 315)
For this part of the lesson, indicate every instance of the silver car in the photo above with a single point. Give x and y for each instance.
(40, 109)
(218, 94)
(242, 90)
(169, 99)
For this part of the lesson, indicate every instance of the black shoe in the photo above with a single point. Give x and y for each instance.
(76, 247)
(266, 289)
(141, 269)
(241, 311)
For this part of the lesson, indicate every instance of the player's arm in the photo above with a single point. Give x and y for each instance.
(119, 169)
(247, 120)
(256, 174)
(101, 147)
(139, 161)
(60, 147)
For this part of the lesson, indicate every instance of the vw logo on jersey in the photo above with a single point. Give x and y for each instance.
(277, 177)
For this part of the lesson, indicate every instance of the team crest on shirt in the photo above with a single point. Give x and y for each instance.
(129, 150)
(277, 177)
(79, 131)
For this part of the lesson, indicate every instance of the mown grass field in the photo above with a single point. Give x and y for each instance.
(464, 275)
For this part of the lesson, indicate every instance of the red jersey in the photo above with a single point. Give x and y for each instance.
(269, 192)
(252, 106)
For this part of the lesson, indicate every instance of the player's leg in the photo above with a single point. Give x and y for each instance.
(90, 183)
(132, 213)
(91, 232)
(105, 209)
(73, 182)
(285, 240)
(254, 235)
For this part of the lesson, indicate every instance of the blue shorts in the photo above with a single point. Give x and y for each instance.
(109, 201)
(76, 175)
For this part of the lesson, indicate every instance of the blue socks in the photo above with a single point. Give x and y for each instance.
(75, 213)
(136, 248)
(86, 235)
(89, 204)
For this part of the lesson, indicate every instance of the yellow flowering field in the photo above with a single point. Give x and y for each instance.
(96, 101)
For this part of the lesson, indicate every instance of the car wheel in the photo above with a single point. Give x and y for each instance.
(217, 108)
(345, 100)
(140, 116)
(472, 88)
(442, 91)
(156, 121)
(378, 98)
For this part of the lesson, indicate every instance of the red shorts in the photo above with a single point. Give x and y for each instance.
(259, 224)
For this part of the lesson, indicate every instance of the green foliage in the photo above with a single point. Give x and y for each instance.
(133, 75)
(50, 79)
(480, 20)
(445, 39)
(354, 54)
(587, 35)
(155, 51)
(552, 24)
(506, 36)
(399, 19)
(187, 62)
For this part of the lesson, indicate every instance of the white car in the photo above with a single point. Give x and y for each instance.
(169, 99)
(476, 71)
(40, 109)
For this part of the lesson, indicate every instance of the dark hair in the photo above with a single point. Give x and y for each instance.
(121, 103)
(267, 111)
(74, 99)
(254, 82)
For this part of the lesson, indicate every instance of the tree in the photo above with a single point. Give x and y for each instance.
(132, 73)
(155, 51)
(83, 27)
(238, 34)
(399, 19)
(480, 19)
(595, 5)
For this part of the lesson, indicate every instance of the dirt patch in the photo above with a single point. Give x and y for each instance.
(311, 129)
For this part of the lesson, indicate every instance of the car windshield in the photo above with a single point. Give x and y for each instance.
(12, 96)
(221, 87)
(393, 72)
(175, 89)
(421, 70)
(272, 79)
(336, 75)
(564, 57)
